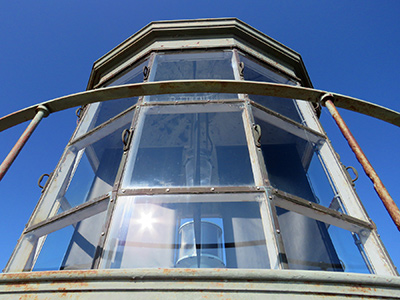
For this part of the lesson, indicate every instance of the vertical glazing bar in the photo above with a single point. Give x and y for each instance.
(41, 112)
(382, 192)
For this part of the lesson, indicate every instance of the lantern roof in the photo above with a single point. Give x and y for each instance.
(199, 34)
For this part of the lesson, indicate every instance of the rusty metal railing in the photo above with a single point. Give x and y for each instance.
(380, 189)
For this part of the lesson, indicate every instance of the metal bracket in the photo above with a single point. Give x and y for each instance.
(257, 134)
(348, 174)
(46, 183)
(326, 97)
(241, 69)
(146, 72)
(78, 113)
(126, 138)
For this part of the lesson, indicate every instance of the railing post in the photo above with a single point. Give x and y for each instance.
(41, 112)
(382, 192)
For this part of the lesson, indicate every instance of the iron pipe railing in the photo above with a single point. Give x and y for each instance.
(200, 86)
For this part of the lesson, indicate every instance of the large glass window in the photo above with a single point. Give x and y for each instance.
(293, 162)
(100, 112)
(88, 169)
(72, 247)
(315, 245)
(187, 231)
(196, 145)
(206, 65)
(253, 71)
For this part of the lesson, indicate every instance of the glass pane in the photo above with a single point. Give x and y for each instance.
(87, 170)
(314, 245)
(209, 65)
(100, 112)
(293, 162)
(95, 167)
(255, 72)
(187, 231)
(70, 248)
(183, 148)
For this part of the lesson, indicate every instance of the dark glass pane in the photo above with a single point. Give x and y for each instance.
(100, 112)
(72, 247)
(292, 160)
(94, 168)
(255, 72)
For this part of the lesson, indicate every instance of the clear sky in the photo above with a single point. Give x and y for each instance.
(47, 49)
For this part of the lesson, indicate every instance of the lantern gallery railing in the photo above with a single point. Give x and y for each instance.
(201, 86)
(37, 112)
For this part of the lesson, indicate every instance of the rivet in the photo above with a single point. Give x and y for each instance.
(167, 190)
(278, 231)
(364, 233)
(270, 197)
(258, 188)
(102, 233)
(212, 189)
(123, 191)
(111, 200)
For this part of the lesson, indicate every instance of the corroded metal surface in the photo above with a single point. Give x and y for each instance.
(196, 283)
(201, 86)
(381, 190)
(41, 112)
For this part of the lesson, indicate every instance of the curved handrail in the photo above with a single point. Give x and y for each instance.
(200, 86)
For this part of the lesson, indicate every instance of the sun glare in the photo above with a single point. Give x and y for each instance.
(147, 220)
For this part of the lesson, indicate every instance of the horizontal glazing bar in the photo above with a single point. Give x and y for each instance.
(192, 190)
(69, 217)
(319, 212)
(286, 119)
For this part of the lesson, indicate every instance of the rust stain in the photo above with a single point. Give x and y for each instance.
(363, 289)
(167, 271)
(30, 297)
(217, 284)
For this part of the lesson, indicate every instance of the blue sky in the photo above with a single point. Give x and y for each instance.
(47, 49)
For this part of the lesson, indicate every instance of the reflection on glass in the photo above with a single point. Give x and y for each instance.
(314, 245)
(292, 161)
(182, 231)
(209, 65)
(190, 149)
(255, 72)
(72, 247)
